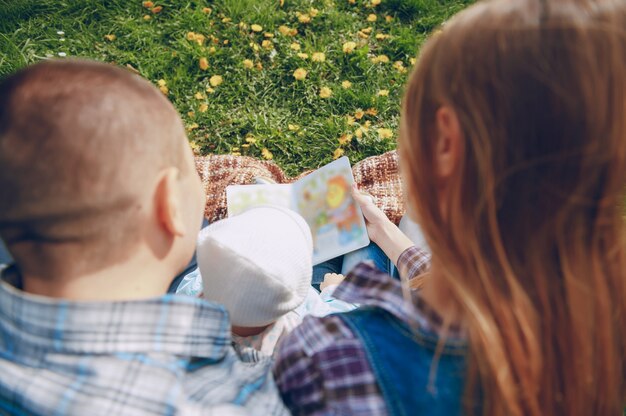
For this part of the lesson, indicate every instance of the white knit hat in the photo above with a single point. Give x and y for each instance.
(257, 264)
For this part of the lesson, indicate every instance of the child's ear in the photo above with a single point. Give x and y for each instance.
(448, 149)
(168, 203)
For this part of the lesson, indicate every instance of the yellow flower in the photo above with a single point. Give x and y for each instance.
(256, 28)
(313, 12)
(248, 64)
(371, 18)
(304, 18)
(362, 34)
(203, 63)
(226, 41)
(147, 17)
(359, 133)
(164, 89)
(210, 90)
(371, 112)
(194, 146)
(287, 31)
(203, 108)
(299, 74)
(192, 126)
(359, 114)
(346, 84)
(191, 114)
(267, 155)
(399, 65)
(325, 92)
(243, 26)
(412, 61)
(199, 96)
(236, 153)
(250, 139)
(380, 59)
(345, 139)
(350, 120)
(110, 38)
(212, 50)
(385, 133)
(367, 30)
(191, 35)
(156, 9)
(318, 57)
(207, 10)
(254, 46)
(268, 35)
(352, 1)
(388, 19)
(295, 46)
(293, 127)
(381, 36)
(216, 80)
(338, 153)
(148, 4)
(259, 66)
(303, 55)
(162, 83)
(349, 47)
(383, 93)
(226, 20)
(375, 3)
(267, 44)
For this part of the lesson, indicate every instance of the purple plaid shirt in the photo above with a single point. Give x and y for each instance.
(322, 368)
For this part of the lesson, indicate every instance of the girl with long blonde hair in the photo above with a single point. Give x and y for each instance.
(513, 150)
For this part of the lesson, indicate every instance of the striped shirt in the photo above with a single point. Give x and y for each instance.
(322, 367)
(161, 356)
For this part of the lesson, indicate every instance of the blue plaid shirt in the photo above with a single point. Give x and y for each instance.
(167, 355)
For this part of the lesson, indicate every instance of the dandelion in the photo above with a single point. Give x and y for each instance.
(267, 155)
(203, 63)
(194, 146)
(164, 89)
(293, 127)
(248, 64)
(412, 61)
(243, 26)
(226, 41)
(362, 34)
(359, 133)
(358, 114)
(156, 9)
(250, 140)
(385, 133)
(254, 46)
(313, 12)
(325, 92)
(383, 93)
(147, 17)
(268, 35)
(110, 38)
(216, 80)
(388, 19)
(300, 74)
(191, 114)
(381, 36)
(287, 31)
(203, 108)
(226, 20)
(346, 84)
(147, 4)
(349, 47)
(304, 18)
(199, 96)
(371, 17)
(192, 126)
(371, 112)
(318, 57)
(375, 3)
(338, 153)
(295, 46)
(303, 55)
(256, 28)
(259, 66)
(212, 50)
(267, 44)
(399, 66)
(207, 10)
(345, 139)
(367, 30)
(380, 59)
(161, 83)
(210, 90)
(191, 35)
(350, 120)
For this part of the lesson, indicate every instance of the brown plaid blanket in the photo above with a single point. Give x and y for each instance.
(378, 175)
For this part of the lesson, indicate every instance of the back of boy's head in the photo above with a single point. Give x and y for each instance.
(531, 238)
(79, 141)
(257, 264)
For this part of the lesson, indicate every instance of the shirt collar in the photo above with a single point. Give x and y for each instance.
(171, 324)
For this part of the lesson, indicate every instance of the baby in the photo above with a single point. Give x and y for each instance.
(258, 265)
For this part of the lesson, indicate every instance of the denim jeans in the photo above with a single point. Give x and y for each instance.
(5, 257)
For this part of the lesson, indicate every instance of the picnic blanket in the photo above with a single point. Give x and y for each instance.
(378, 175)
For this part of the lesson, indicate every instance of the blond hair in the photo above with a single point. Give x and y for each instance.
(532, 244)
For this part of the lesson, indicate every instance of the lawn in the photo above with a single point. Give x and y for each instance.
(297, 81)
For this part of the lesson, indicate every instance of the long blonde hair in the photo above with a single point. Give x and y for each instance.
(533, 243)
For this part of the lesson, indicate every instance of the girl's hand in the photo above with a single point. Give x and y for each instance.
(375, 219)
(331, 279)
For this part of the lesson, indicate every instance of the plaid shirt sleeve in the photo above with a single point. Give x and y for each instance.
(412, 264)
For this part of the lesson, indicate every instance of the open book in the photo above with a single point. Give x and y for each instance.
(323, 198)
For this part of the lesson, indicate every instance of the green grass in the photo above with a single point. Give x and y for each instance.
(252, 109)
